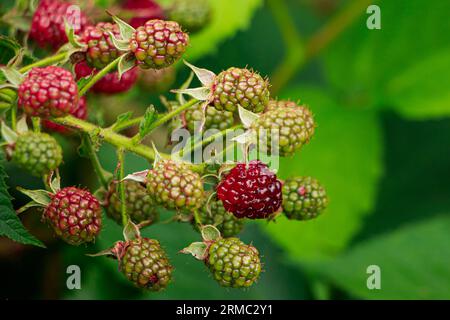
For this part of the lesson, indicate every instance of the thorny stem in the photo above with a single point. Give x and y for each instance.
(116, 139)
(95, 160)
(127, 124)
(98, 76)
(121, 186)
(45, 62)
(171, 114)
(296, 55)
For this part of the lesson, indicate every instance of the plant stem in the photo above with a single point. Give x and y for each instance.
(169, 115)
(95, 161)
(36, 121)
(123, 204)
(295, 57)
(127, 124)
(98, 76)
(116, 139)
(45, 62)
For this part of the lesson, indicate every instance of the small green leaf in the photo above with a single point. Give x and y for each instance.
(43, 197)
(126, 31)
(126, 63)
(131, 231)
(210, 233)
(140, 176)
(121, 45)
(122, 118)
(197, 249)
(247, 117)
(8, 134)
(13, 76)
(205, 76)
(201, 93)
(10, 224)
(150, 117)
(22, 126)
(73, 39)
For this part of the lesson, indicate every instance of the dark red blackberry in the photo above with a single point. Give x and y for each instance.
(250, 190)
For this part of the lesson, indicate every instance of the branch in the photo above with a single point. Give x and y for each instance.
(296, 58)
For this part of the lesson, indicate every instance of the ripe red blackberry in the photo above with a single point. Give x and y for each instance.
(250, 190)
(47, 26)
(80, 113)
(75, 215)
(48, 92)
(110, 83)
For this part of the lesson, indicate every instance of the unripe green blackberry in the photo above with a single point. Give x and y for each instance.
(242, 87)
(223, 220)
(39, 153)
(304, 198)
(191, 14)
(139, 204)
(145, 263)
(175, 186)
(293, 126)
(214, 119)
(233, 263)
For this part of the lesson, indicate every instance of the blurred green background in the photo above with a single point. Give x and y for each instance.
(381, 99)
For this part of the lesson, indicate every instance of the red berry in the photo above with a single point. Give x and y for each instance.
(109, 84)
(250, 190)
(100, 48)
(158, 44)
(50, 91)
(75, 215)
(80, 113)
(47, 27)
(145, 10)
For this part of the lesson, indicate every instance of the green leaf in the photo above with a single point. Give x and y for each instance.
(228, 17)
(403, 66)
(8, 49)
(210, 233)
(414, 263)
(10, 224)
(345, 154)
(150, 117)
(420, 91)
(122, 118)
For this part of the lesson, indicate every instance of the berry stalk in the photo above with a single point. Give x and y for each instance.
(98, 76)
(45, 62)
(89, 148)
(116, 139)
(123, 204)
